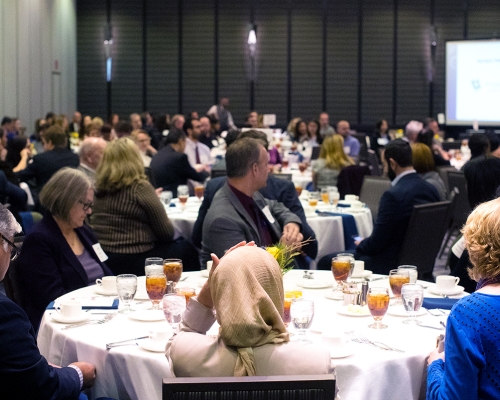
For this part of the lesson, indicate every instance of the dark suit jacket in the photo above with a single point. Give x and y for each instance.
(276, 189)
(228, 223)
(46, 164)
(24, 373)
(381, 249)
(171, 169)
(47, 267)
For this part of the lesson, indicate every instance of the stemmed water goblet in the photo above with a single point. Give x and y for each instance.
(183, 195)
(333, 196)
(174, 304)
(172, 268)
(342, 267)
(156, 283)
(302, 313)
(126, 287)
(377, 300)
(412, 295)
(397, 278)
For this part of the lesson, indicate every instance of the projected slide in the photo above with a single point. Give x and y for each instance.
(473, 82)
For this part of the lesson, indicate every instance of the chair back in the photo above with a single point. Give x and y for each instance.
(350, 179)
(462, 208)
(10, 282)
(373, 164)
(363, 149)
(443, 173)
(423, 238)
(286, 177)
(372, 190)
(302, 387)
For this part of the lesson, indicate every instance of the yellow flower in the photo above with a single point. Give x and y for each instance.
(274, 251)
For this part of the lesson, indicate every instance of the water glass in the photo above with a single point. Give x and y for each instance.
(302, 313)
(126, 287)
(156, 284)
(313, 199)
(333, 195)
(413, 296)
(174, 304)
(166, 197)
(377, 300)
(412, 270)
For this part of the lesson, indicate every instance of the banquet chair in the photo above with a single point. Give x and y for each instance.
(350, 179)
(372, 190)
(10, 283)
(287, 177)
(423, 238)
(443, 173)
(291, 387)
(218, 172)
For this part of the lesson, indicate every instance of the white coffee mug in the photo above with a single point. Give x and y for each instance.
(359, 267)
(350, 198)
(159, 335)
(107, 283)
(447, 282)
(333, 340)
(356, 205)
(69, 309)
(209, 265)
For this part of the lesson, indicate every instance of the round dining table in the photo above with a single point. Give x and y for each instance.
(365, 372)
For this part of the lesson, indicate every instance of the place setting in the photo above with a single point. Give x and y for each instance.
(446, 286)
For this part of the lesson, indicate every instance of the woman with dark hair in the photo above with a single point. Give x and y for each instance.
(300, 133)
(441, 158)
(315, 138)
(380, 136)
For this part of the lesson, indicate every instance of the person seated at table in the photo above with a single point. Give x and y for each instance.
(128, 217)
(246, 291)
(380, 137)
(332, 159)
(61, 253)
(170, 166)
(441, 157)
(24, 372)
(470, 370)
(344, 130)
(300, 132)
(479, 146)
(423, 162)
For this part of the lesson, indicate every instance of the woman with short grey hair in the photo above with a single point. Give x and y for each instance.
(61, 253)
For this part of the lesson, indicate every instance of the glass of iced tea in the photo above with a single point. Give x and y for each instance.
(302, 167)
(397, 278)
(289, 298)
(187, 292)
(156, 284)
(199, 191)
(183, 195)
(284, 162)
(313, 199)
(172, 268)
(324, 196)
(378, 303)
(298, 189)
(342, 267)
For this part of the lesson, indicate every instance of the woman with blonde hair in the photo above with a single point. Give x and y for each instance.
(423, 162)
(470, 370)
(129, 218)
(332, 159)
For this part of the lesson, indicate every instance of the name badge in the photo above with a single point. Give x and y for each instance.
(268, 214)
(100, 252)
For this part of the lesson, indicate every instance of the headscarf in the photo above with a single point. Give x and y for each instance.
(247, 291)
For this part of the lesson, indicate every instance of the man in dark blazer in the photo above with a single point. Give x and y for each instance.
(170, 166)
(380, 251)
(55, 157)
(239, 212)
(24, 373)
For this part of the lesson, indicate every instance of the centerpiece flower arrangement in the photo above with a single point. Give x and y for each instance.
(284, 254)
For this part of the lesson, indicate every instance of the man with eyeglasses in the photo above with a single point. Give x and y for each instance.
(24, 372)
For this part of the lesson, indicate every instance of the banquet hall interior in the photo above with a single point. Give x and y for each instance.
(321, 88)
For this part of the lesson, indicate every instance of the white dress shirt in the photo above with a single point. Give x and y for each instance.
(203, 151)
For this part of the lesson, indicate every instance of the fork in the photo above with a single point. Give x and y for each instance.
(107, 318)
(362, 339)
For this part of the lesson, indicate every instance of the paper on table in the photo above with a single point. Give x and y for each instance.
(89, 302)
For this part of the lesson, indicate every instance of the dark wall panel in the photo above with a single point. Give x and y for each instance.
(162, 56)
(484, 18)
(271, 83)
(234, 58)
(342, 60)
(413, 60)
(307, 57)
(377, 65)
(197, 55)
(91, 75)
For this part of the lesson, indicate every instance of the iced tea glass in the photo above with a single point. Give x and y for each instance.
(183, 195)
(342, 267)
(325, 198)
(397, 278)
(156, 284)
(378, 303)
(313, 199)
(199, 191)
(172, 268)
(289, 298)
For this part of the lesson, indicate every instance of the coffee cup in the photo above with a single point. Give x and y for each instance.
(359, 267)
(334, 341)
(69, 309)
(209, 266)
(159, 335)
(446, 282)
(350, 198)
(107, 284)
(356, 205)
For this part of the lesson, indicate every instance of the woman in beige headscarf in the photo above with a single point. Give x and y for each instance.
(246, 290)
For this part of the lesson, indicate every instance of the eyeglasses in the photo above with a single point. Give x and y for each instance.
(14, 252)
(86, 206)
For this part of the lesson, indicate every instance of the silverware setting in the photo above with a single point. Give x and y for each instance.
(359, 338)
(437, 312)
(107, 318)
(126, 342)
(420, 323)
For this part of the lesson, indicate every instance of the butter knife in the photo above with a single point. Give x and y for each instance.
(123, 342)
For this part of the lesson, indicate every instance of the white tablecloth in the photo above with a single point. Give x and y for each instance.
(129, 372)
(329, 230)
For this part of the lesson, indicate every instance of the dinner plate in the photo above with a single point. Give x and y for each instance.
(149, 345)
(399, 311)
(335, 295)
(364, 311)
(314, 284)
(147, 315)
(59, 318)
(364, 274)
(342, 352)
(101, 291)
(449, 292)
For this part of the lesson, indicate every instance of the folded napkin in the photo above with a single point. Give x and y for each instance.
(341, 205)
(92, 303)
(349, 225)
(437, 302)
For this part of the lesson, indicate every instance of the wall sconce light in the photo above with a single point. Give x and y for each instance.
(108, 43)
(433, 36)
(252, 40)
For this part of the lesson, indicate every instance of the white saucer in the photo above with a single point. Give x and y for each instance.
(335, 295)
(365, 312)
(84, 316)
(399, 311)
(149, 345)
(147, 315)
(342, 352)
(204, 273)
(314, 284)
(364, 274)
(450, 292)
(101, 291)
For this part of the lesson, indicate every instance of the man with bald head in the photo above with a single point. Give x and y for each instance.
(91, 152)
(344, 129)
